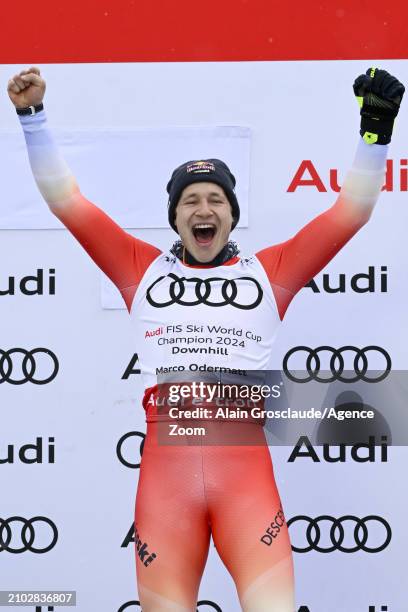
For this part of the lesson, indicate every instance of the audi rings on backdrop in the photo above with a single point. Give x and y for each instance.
(203, 602)
(209, 604)
(130, 605)
(360, 364)
(229, 292)
(28, 366)
(28, 534)
(337, 533)
(119, 445)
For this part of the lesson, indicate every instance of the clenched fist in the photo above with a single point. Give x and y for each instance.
(26, 88)
(379, 95)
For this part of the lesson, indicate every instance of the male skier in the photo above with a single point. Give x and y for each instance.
(191, 492)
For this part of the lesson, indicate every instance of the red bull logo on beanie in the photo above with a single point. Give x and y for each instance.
(200, 166)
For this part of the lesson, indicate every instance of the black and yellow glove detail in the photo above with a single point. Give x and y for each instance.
(379, 95)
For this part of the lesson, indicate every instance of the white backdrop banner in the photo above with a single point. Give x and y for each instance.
(127, 170)
(79, 408)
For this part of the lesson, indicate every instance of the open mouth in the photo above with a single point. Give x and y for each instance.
(204, 233)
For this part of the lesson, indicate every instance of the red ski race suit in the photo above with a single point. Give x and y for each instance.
(188, 318)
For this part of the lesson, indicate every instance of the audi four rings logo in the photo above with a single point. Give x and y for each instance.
(28, 366)
(10, 530)
(208, 604)
(335, 533)
(204, 602)
(203, 289)
(137, 434)
(336, 364)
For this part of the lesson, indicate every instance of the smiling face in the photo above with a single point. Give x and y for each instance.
(204, 220)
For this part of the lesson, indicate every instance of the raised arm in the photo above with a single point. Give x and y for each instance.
(291, 264)
(122, 257)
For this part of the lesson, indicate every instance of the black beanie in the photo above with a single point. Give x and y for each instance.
(209, 170)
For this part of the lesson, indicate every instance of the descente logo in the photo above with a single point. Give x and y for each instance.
(307, 176)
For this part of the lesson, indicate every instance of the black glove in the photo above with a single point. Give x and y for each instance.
(379, 95)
